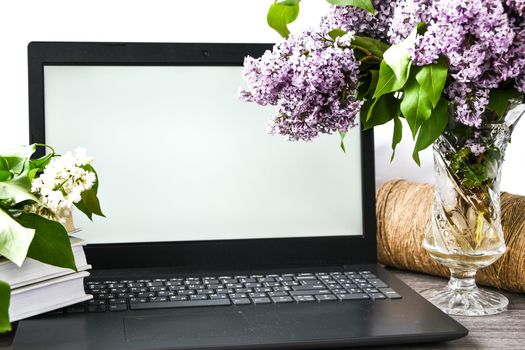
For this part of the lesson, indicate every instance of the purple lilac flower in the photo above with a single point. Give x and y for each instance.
(361, 22)
(470, 103)
(313, 81)
(476, 144)
(483, 41)
(405, 16)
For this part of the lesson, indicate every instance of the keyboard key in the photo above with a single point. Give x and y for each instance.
(257, 295)
(158, 299)
(261, 300)
(218, 296)
(357, 296)
(244, 290)
(309, 287)
(278, 294)
(304, 298)
(178, 298)
(326, 297)
(241, 301)
(390, 293)
(238, 295)
(309, 292)
(377, 296)
(284, 299)
(138, 300)
(117, 301)
(177, 304)
(198, 297)
(119, 307)
(377, 283)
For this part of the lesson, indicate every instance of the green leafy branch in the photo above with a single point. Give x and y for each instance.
(25, 234)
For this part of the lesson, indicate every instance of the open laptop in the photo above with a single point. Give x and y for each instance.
(217, 235)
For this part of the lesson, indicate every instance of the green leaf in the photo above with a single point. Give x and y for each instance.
(416, 106)
(335, 33)
(397, 56)
(376, 47)
(432, 128)
(387, 81)
(5, 173)
(398, 135)
(362, 4)
(499, 99)
(374, 77)
(281, 14)
(14, 238)
(16, 190)
(17, 158)
(5, 296)
(381, 111)
(342, 145)
(51, 243)
(90, 200)
(432, 79)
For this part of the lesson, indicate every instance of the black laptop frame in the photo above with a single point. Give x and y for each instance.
(206, 255)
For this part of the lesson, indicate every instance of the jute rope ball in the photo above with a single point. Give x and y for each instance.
(404, 210)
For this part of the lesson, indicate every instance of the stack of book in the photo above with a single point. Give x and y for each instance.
(37, 288)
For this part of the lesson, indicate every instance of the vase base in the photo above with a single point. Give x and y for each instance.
(473, 302)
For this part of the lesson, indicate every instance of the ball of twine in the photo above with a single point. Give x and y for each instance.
(404, 210)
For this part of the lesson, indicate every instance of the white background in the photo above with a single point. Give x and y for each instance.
(22, 21)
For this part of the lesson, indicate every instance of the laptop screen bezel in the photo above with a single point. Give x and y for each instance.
(208, 255)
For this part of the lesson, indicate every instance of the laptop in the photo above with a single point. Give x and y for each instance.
(217, 235)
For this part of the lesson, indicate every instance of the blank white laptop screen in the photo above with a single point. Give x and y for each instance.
(180, 158)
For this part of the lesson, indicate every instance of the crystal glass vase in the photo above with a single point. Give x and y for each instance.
(465, 232)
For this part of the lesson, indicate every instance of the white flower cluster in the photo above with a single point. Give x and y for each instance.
(61, 184)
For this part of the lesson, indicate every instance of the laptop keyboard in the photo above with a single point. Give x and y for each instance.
(160, 293)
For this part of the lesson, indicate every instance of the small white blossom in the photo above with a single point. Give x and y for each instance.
(61, 184)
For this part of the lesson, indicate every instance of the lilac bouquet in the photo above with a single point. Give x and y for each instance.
(453, 70)
(437, 64)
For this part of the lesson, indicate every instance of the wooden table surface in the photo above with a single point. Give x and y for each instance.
(503, 331)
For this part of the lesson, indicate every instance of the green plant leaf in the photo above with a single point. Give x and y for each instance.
(14, 238)
(432, 128)
(342, 145)
(18, 158)
(51, 243)
(90, 200)
(398, 135)
(281, 14)
(16, 190)
(336, 33)
(499, 99)
(397, 56)
(5, 296)
(374, 77)
(381, 111)
(387, 81)
(376, 47)
(362, 4)
(5, 173)
(415, 106)
(432, 79)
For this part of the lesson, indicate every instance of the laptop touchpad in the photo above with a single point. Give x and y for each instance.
(184, 327)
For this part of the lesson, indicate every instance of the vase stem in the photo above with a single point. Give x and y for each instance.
(462, 280)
